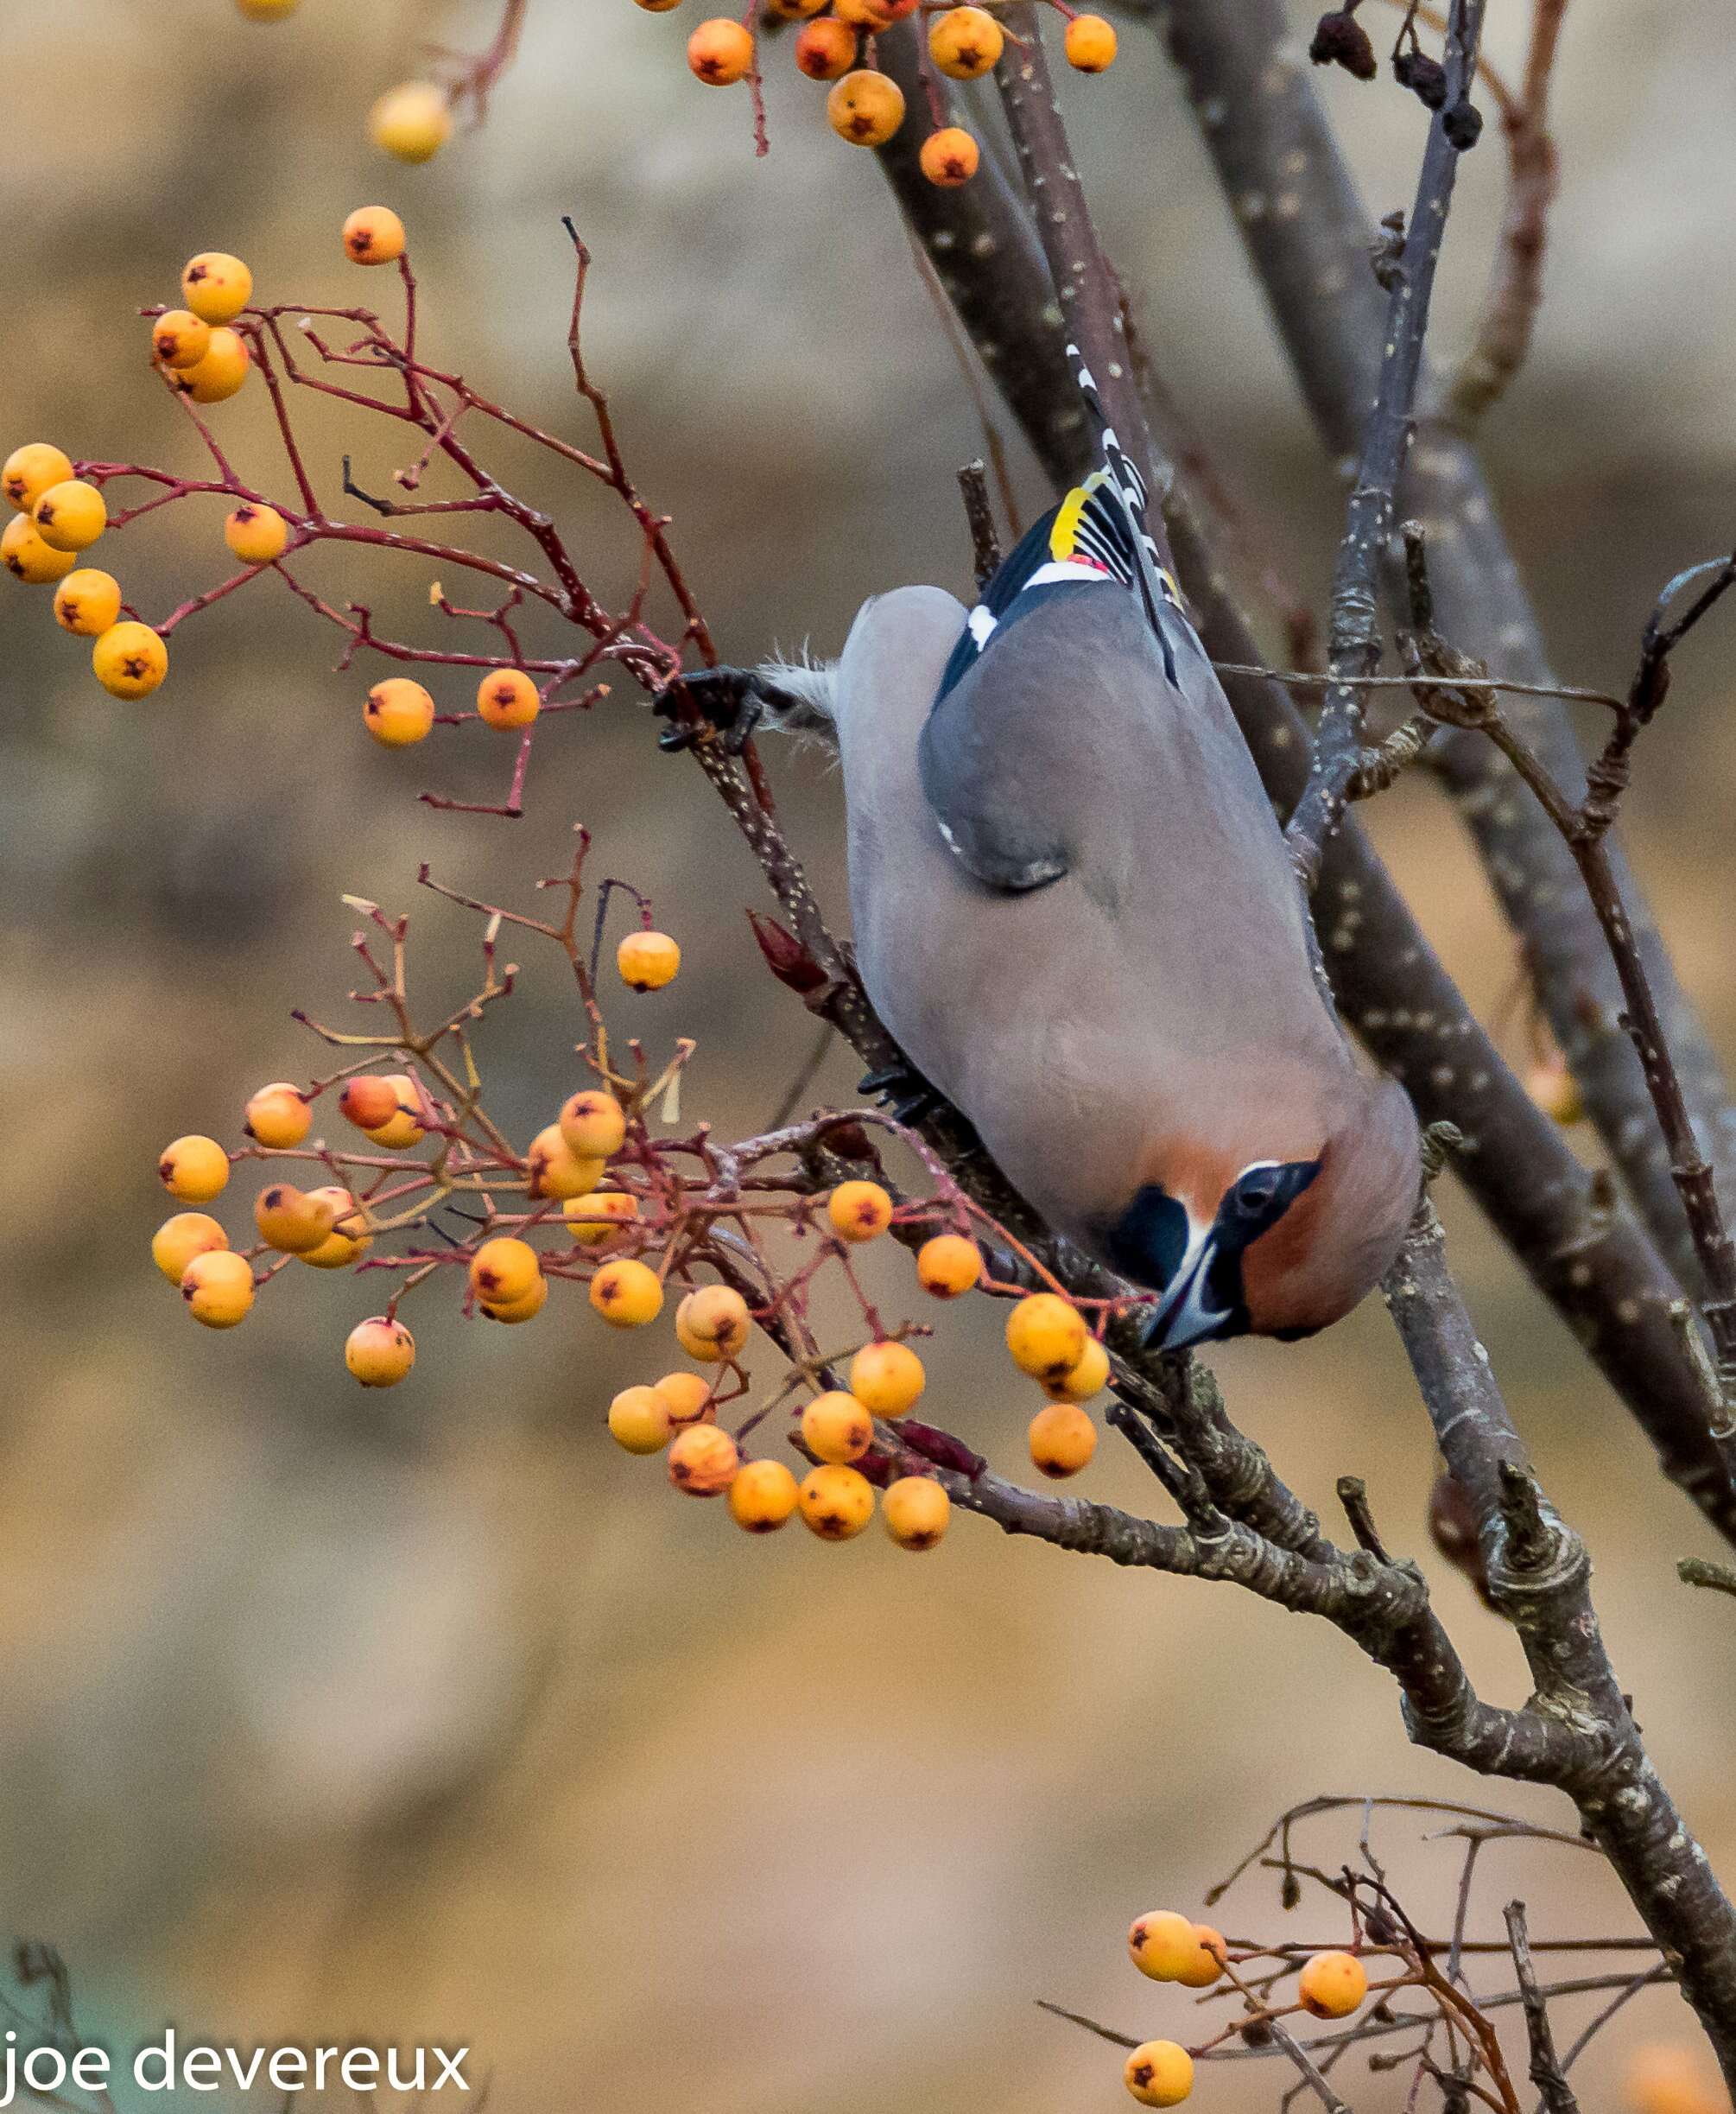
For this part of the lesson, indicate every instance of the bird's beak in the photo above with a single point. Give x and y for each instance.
(1185, 1317)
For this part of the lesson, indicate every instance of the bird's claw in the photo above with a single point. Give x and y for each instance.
(727, 703)
(901, 1090)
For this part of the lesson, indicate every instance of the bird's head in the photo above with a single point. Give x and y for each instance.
(1281, 1244)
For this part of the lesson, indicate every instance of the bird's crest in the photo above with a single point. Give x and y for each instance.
(1097, 533)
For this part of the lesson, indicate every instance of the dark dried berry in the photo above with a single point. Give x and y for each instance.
(1340, 39)
(1463, 124)
(1426, 78)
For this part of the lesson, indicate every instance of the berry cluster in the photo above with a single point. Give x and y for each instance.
(864, 105)
(421, 1182)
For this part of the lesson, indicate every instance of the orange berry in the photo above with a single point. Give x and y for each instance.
(689, 1398)
(703, 1460)
(29, 471)
(1090, 44)
(872, 15)
(379, 1352)
(1046, 1335)
(129, 660)
(512, 1310)
(257, 535)
(1159, 2074)
(505, 1270)
(178, 1240)
(965, 42)
(70, 516)
(866, 108)
(411, 121)
(369, 1099)
(762, 1496)
(835, 1427)
(720, 52)
(657, 7)
(1332, 1985)
(886, 1378)
(648, 961)
(556, 1170)
(1554, 1089)
(836, 1502)
(87, 602)
(639, 1419)
(181, 338)
(290, 1220)
(916, 1510)
(1662, 2077)
(349, 1235)
(217, 1287)
(277, 1116)
(507, 698)
(627, 1293)
(825, 50)
(593, 1124)
(1063, 1439)
(858, 1211)
(1089, 1377)
(217, 376)
(374, 235)
(398, 713)
(1201, 1972)
(599, 1215)
(216, 286)
(789, 11)
(27, 557)
(194, 1168)
(949, 1266)
(950, 157)
(401, 1129)
(1164, 1945)
(713, 1324)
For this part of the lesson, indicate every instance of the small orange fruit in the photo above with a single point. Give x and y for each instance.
(193, 1168)
(762, 1496)
(949, 1266)
(290, 1221)
(826, 49)
(886, 1378)
(374, 235)
(411, 121)
(965, 42)
(598, 1216)
(513, 1311)
(257, 534)
(1046, 1335)
(720, 52)
(1164, 1945)
(349, 1235)
(1332, 1985)
(1090, 44)
(835, 1427)
(858, 1211)
(1159, 2074)
(703, 1460)
(379, 1352)
(29, 471)
(916, 1510)
(507, 698)
(836, 1502)
(217, 1287)
(639, 1419)
(398, 711)
(505, 1270)
(181, 338)
(627, 1293)
(401, 1129)
(556, 1170)
(648, 961)
(1062, 1440)
(70, 516)
(866, 108)
(178, 1240)
(689, 1398)
(593, 1124)
(369, 1099)
(950, 157)
(219, 374)
(277, 1116)
(713, 1324)
(27, 557)
(87, 602)
(1213, 1954)
(128, 660)
(1089, 1377)
(216, 286)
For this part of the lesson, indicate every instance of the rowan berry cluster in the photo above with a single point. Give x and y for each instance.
(864, 105)
(420, 1183)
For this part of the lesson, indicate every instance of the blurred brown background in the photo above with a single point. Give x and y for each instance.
(433, 1716)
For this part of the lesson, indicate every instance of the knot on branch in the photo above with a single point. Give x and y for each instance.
(1532, 1554)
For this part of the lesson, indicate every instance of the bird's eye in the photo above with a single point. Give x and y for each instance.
(1256, 1190)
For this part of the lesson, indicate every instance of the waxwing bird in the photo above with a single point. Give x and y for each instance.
(1074, 910)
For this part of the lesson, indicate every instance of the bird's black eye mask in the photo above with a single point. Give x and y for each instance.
(1152, 1243)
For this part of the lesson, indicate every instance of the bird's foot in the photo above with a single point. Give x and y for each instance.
(901, 1090)
(727, 702)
